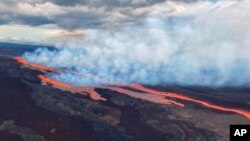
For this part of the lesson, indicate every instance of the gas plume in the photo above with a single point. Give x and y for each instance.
(205, 47)
(146, 94)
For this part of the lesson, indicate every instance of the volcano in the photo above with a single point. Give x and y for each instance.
(37, 107)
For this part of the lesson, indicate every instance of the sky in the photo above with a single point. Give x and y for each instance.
(51, 21)
(191, 42)
(136, 40)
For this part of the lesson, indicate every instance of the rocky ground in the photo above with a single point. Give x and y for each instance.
(30, 111)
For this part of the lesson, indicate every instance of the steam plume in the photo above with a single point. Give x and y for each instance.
(209, 47)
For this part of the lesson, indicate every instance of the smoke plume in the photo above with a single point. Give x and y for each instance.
(200, 43)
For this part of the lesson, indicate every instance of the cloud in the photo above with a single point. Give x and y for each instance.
(25, 33)
(64, 16)
(77, 14)
(40, 9)
(108, 3)
(32, 20)
(202, 43)
(72, 33)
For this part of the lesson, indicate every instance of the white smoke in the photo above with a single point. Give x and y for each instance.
(206, 47)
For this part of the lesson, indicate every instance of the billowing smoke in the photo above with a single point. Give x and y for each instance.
(206, 47)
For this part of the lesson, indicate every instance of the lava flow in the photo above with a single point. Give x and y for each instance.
(55, 83)
(182, 97)
(95, 96)
(83, 90)
(146, 94)
(34, 66)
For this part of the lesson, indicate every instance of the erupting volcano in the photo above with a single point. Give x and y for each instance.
(146, 94)
(123, 70)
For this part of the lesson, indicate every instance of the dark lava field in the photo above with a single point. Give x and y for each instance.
(30, 111)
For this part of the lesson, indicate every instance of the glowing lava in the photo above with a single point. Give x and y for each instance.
(55, 83)
(34, 66)
(182, 97)
(206, 104)
(83, 90)
(146, 94)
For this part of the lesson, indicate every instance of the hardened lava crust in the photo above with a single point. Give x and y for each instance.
(32, 111)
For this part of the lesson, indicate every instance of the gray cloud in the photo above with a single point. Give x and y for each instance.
(5, 19)
(32, 20)
(75, 20)
(70, 15)
(189, 51)
(75, 14)
(193, 51)
(65, 16)
(108, 3)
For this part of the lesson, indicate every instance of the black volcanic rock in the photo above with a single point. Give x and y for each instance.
(51, 114)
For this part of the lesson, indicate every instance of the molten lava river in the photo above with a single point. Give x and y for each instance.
(134, 90)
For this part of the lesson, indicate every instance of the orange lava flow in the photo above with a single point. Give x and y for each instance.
(83, 90)
(146, 96)
(34, 66)
(55, 83)
(186, 98)
(144, 89)
(154, 99)
(149, 94)
(209, 105)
